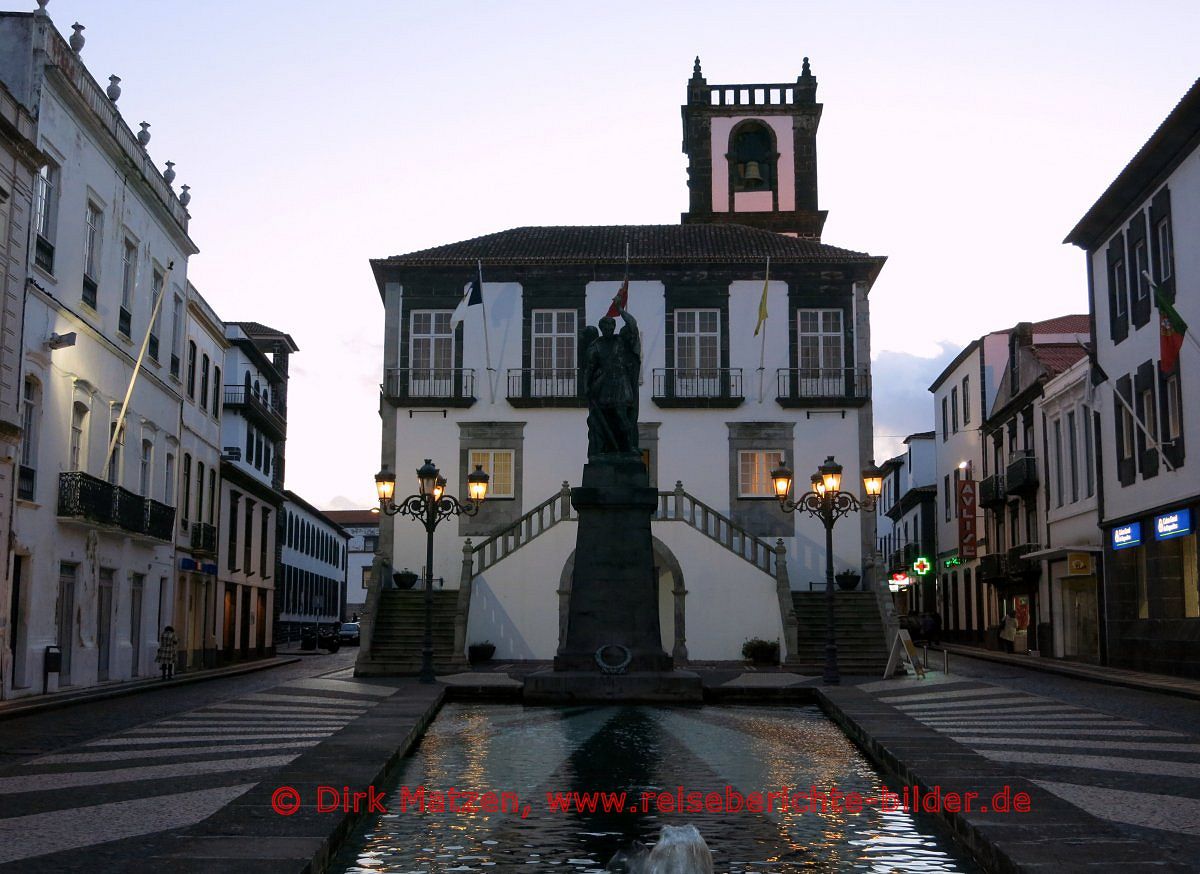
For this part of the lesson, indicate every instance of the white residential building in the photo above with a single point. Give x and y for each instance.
(312, 584)
(1141, 233)
(363, 528)
(93, 538)
(910, 555)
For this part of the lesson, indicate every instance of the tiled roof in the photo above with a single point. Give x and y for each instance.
(353, 518)
(1057, 357)
(1073, 324)
(259, 331)
(648, 244)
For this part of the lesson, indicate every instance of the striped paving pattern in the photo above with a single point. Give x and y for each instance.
(1114, 767)
(171, 773)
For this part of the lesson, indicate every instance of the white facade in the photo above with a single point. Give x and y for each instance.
(94, 562)
(362, 526)
(312, 587)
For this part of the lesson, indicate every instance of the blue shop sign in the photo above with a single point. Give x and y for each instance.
(1177, 523)
(1126, 536)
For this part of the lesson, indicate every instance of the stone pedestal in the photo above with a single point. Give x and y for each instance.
(612, 615)
(614, 594)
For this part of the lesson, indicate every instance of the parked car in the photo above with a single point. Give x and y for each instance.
(349, 633)
(325, 636)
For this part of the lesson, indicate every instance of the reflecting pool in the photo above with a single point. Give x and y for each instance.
(663, 759)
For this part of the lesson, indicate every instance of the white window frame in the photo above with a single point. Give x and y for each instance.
(169, 481)
(1127, 433)
(754, 472)
(92, 240)
(157, 287)
(431, 374)
(827, 378)
(1141, 263)
(1149, 411)
(1166, 253)
(46, 201)
(697, 352)
(486, 458)
(1121, 287)
(77, 448)
(1073, 452)
(1174, 408)
(1089, 453)
(177, 334)
(1056, 430)
(147, 468)
(129, 270)
(553, 352)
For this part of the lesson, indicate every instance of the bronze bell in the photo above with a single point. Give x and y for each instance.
(751, 173)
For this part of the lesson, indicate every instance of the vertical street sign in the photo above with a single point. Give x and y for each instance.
(968, 546)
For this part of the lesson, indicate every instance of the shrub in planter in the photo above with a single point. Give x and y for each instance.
(848, 580)
(480, 652)
(761, 652)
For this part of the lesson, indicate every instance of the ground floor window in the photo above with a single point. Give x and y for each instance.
(754, 472)
(499, 465)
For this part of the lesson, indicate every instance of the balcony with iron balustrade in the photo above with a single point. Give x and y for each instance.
(799, 387)
(251, 403)
(421, 387)
(697, 388)
(84, 497)
(993, 567)
(545, 387)
(1021, 477)
(991, 491)
(204, 538)
(1019, 565)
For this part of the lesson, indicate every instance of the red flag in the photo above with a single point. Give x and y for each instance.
(1171, 327)
(622, 298)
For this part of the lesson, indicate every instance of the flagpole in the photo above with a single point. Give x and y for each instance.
(762, 351)
(1150, 440)
(487, 348)
(137, 367)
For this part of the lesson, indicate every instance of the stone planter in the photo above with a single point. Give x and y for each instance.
(404, 579)
(848, 580)
(477, 653)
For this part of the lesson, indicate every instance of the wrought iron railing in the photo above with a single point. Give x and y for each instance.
(43, 254)
(544, 384)
(991, 491)
(1019, 564)
(1021, 475)
(85, 496)
(697, 383)
(267, 411)
(26, 482)
(993, 566)
(204, 538)
(130, 510)
(817, 383)
(159, 520)
(406, 385)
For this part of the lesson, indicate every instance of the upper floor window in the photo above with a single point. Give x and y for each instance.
(431, 355)
(498, 464)
(156, 312)
(185, 504)
(46, 216)
(118, 452)
(1058, 463)
(191, 369)
(1149, 416)
(966, 399)
(176, 334)
(1174, 412)
(147, 466)
(553, 353)
(1089, 454)
(754, 472)
(1125, 432)
(945, 419)
(1119, 288)
(1073, 455)
(204, 365)
(1166, 252)
(31, 405)
(1140, 267)
(216, 397)
(169, 484)
(697, 352)
(128, 282)
(752, 158)
(820, 341)
(954, 409)
(78, 446)
(93, 223)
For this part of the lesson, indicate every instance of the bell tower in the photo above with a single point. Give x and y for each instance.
(752, 154)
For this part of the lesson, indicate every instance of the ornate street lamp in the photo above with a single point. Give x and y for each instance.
(430, 506)
(828, 503)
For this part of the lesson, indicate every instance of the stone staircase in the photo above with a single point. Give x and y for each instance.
(399, 632)
(857, 626)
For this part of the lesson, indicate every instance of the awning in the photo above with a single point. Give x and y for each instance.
(1056, 552)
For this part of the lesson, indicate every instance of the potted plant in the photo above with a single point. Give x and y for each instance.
(761, 652)
(847, 580)
(404, 579)
(481, 652)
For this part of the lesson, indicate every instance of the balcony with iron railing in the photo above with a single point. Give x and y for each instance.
(1019, 565)
(692, 387)
(993, 567)
(43, 254)
(991, 491)
(437, 386)
(1021, 477)
(85, 497)
(545, 387)
(26, 482)
(823, 387)
(204, 538)
(251, 403)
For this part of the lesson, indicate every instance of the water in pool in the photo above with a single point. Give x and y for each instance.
(657, 756)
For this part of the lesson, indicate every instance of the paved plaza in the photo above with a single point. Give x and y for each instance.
(184, 777)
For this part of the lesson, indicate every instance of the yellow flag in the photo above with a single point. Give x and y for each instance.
(762, 306)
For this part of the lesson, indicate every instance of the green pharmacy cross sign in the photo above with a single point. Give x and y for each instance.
(953, 561)
(922, 566)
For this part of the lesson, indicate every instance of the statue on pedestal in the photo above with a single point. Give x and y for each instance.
(611, 366)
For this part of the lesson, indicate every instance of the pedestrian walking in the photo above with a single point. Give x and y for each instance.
(168, 643)
(1009, 632)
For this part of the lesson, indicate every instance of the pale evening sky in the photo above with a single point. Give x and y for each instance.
(960, 139)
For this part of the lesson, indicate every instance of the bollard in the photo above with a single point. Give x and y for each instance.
(926, 648)
(945, 661)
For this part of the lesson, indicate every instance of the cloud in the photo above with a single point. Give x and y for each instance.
(901, 398)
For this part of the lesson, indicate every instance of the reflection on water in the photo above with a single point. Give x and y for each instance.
(538, 752)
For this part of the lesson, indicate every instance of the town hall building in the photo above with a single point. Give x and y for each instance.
(725, 396)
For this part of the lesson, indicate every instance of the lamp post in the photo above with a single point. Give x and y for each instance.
(430, 506)
(827, 502)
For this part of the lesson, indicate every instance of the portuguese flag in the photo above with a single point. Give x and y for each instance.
(1171, 328)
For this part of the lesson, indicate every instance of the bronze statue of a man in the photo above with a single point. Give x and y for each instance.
(611, 365)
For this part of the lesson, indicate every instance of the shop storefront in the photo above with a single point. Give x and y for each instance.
(1151, 565)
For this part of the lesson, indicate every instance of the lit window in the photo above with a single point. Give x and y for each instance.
(498, 464)
(754, 472)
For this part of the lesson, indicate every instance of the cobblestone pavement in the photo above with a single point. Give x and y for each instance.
(1130, 758)
(107, 770)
